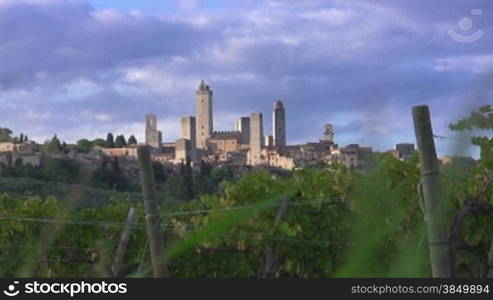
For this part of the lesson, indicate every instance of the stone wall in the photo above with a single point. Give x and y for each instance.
(24, 148)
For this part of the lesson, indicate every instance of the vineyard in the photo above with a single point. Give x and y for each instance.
(323, 221)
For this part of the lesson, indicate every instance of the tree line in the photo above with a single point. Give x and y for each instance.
(6, 136)
(55, 145)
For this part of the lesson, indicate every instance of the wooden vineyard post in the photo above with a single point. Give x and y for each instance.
(490, 262)
(156, 244)
(434, 206)
(122, 245)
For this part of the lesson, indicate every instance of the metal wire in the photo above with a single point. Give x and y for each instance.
(201, 211)
(69, 222)
(443, 137)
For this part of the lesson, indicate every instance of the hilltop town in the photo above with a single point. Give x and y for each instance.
(247, 145)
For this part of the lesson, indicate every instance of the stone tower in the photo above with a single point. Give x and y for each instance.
(204, 115)
(153, 136)
(269, 141)
(256, 138)
(243, 126)
(329, 133)
(279, 124)
(188, 132)
(182, 150)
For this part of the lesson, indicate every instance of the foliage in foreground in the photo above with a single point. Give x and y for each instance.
(315, 223)
(318, 222)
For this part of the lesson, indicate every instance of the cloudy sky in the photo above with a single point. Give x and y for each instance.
(81, 69)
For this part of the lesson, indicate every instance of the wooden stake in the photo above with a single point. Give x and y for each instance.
(490, 262)
(156, 244)
(434, 207)
(122, 245)
(272, 261)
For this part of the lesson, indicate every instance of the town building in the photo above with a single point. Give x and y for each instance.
(404, 150)
(246, 144)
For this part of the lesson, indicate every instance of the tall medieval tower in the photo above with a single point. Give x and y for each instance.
(279, 124)
(256, 139)
(329, 133)
(153, 136)
(243, 126)
(188, 132)
(204, 115)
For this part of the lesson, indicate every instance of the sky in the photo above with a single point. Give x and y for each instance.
(81, 69)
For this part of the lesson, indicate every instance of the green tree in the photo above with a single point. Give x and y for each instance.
(481, 119)
(9, 170)
(84, 246)
(110, 143)
(5, 135)
(188, 184)
(52, 147)
(99, 143)
(109, 176)
(132, 140)
(205, 168)
(264, 239)
(468, 184)
(173, 187)
(203, 180)
(51, 169)
(59, 170)
(84, 145)
(18, 163)
(120, 141)
(159, 172)
(311, 223)
(220, 174)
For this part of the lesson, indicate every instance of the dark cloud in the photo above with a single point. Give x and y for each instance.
(66, 65)
(62, 40)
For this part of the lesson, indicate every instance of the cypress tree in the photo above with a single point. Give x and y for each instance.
(132, 140)
(120, 141)
(188, 188)
(53, 146)
(159, 172)
(110, 142)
